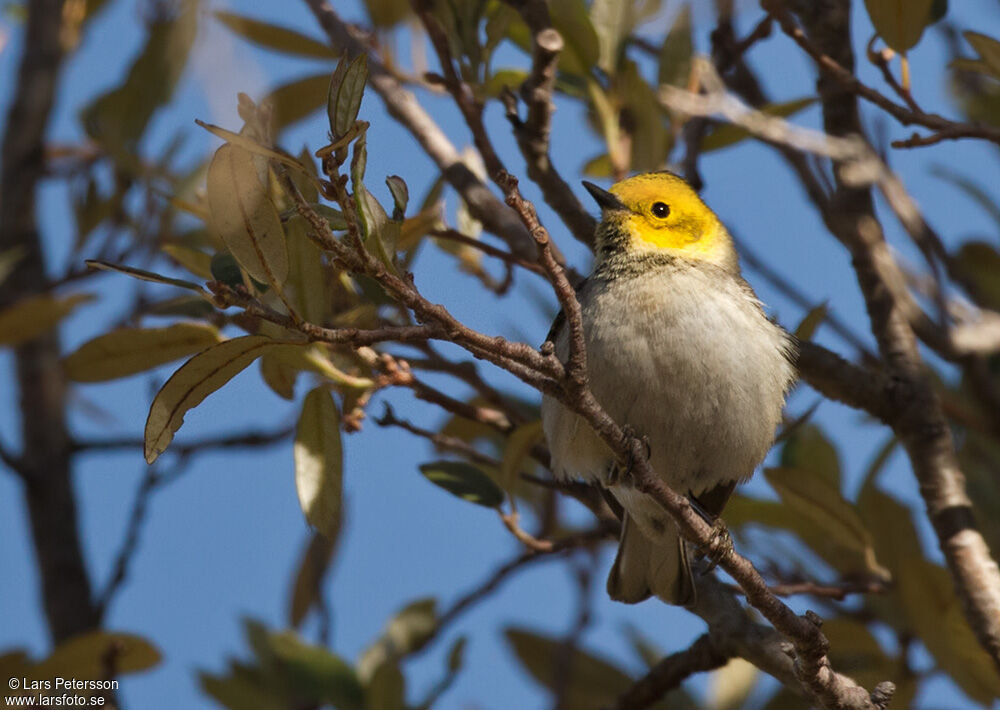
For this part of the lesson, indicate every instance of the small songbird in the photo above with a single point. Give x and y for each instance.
(679, 350)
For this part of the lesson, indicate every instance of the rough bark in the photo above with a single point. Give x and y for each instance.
(45, 460)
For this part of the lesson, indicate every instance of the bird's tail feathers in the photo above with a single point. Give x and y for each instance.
(644, 567)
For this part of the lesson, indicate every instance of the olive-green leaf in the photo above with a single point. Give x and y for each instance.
(922, 599)
(900, 22)
(225, 269)
(810, 322)
(854, 649)
(119, 117)
(811, 450)
(9, 260)
(517, 450)
(727, 134)
(86, 656)
(244, 688)
(278, 375)
(386, 13)
(408, 630)
(594, 684)
(30, 317)
(313, 672)
(280, 39)
(675, 55)
(387, 688)
(298, 99)
(307, 277)
(196, 379)
(989, 52)
(126, 351)
(815, 497)
(347, 88)
(244, 216)
(572, 20)
(400, 195)
(980, 263)
(197, 262)
(307, 588)
(319, 461)
(465, 481)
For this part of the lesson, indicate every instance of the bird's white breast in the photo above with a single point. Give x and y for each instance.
(685, 357)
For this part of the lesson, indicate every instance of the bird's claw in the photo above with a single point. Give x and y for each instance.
(720, 544)
(619, 474)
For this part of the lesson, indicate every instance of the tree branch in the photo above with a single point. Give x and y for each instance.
(402, 105)
(45, 452)
(919, 423)
(702, 655)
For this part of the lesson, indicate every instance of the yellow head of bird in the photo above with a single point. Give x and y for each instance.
(660, 212)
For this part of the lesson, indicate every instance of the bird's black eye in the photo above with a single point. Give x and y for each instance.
(660, 210)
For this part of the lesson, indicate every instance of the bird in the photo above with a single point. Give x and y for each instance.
(679, 351)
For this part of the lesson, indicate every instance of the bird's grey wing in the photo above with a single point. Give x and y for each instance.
(560, 320)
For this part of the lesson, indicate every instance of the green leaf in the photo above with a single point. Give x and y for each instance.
(144, 275)
(30, 317)
(980, 262)
(465, 481)
(989, 54)
(727, 134)
(315, 673)
(400, 195)
(594, 683)
(319, 461)
(645, 120)
(408, 630)
(810, 322)
(388, 13)
(197, 262)
(502, 79)
(307, 589)
(298, 99)
(900, 23)
(278, 375)
(854, 649)
(86, 656)
(571, 19)
(307, 276)
(387, 688)
(243, 689)
(118, 118)
(126, 351)
(347, 88)
(199, 377)
(922, 599)
(280, 39)
(810, 450)
(226, 270)
(816, 498)
(243, 214)
(674, 65)
(613, 21)
(9, 259)
(517, 450)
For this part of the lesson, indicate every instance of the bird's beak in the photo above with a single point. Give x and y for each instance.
(605, 199)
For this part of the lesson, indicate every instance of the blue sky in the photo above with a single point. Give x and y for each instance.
(222, 542)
